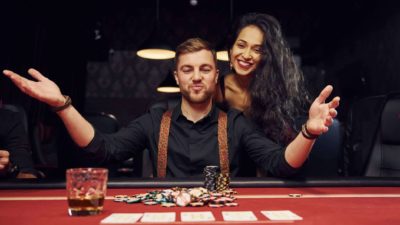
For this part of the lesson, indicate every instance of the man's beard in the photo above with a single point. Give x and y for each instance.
(201, 98)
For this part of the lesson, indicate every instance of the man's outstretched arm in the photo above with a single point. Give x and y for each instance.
(45, 90)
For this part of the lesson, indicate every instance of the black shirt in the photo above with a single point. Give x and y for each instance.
(14, 139)
(192, 146)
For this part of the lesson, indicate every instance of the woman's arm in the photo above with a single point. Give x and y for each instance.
(320, 117)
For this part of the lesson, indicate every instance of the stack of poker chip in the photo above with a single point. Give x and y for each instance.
(192, 197)
(183, 198)
(210, 177)
(222, 182)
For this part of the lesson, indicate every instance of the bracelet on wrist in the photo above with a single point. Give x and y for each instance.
(67, 103)
(306, 133)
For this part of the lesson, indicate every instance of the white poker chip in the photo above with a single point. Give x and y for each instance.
(168, 204)
(231, 204)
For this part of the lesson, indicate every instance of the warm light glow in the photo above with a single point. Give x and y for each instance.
(168, 89)
(222, 55)
(156, 54)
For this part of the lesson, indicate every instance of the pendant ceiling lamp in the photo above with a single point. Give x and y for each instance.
(222, 52)
(222, 55)
(155, 47)
(169, 84)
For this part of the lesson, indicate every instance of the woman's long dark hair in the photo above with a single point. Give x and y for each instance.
(278, 95)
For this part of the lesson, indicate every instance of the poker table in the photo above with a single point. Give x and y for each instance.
(318, 201)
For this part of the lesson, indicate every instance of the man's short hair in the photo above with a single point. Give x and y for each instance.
(193, 45)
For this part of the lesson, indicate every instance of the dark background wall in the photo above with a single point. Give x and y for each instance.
(89, 49)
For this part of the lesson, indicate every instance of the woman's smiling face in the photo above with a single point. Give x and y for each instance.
(246, 52)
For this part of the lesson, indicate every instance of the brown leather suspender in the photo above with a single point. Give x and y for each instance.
(223, 142)
(163, 143)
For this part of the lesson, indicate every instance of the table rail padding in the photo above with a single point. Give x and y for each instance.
(195, 182)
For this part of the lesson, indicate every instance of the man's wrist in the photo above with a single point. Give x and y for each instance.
(66, 104)
(60, 101)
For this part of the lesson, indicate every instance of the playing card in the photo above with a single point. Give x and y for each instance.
(281, 215)
(122, 218)
(239, 216)
(158, 217)
(197, 216)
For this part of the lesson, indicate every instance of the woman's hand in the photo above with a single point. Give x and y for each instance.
(321, 114)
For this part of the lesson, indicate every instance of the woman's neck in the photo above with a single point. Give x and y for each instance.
(243, 82)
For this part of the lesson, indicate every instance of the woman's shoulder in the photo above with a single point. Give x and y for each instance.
(219, 96)
(229, 75)
(224, 82)
(228, 79)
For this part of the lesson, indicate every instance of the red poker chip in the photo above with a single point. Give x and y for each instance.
(223, 200)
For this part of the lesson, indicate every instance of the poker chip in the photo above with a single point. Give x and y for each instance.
(196, 204)
(222, 200)
(295, 195)
(150, 203)
(215, 205)
(197, 192)
(132, 200)
(195, 197)
(183, 199)
(228, 192)
(142, 196)
(210, 176)
(121, 196)
(222, 182)
(216, 194)
(168, 204)
(231, 204)
(160, 198)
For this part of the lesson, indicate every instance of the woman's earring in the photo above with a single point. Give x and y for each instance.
(231, 66)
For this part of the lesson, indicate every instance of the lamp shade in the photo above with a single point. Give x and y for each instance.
(168, 85)
(155, 48)
(222, 55)
(222, 52)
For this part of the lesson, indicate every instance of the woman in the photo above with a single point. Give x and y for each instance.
(266, 84)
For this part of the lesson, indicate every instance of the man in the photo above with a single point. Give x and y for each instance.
(15, 159)
(192, 139)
